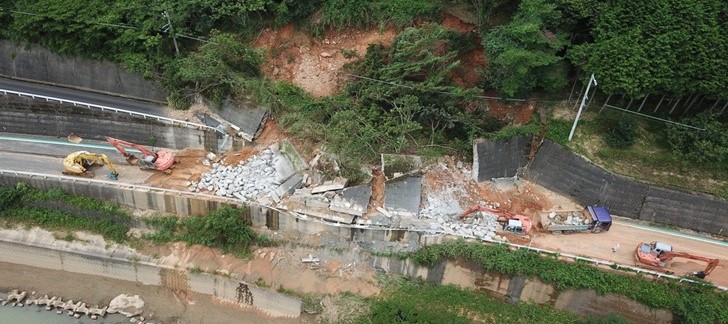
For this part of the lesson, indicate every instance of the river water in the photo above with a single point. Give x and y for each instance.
(31, 315)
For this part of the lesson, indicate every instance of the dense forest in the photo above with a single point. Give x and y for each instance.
(666, 58)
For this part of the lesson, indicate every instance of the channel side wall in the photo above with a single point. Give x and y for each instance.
(149, 273)
(515, 289)
(569, 174)
(24, 115)
(35, 63)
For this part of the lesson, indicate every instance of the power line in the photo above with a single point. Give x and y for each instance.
(655, 118)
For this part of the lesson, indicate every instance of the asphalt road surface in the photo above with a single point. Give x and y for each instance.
(84, 96)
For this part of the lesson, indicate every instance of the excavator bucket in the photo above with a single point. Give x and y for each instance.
(113, 176)
(131, 159)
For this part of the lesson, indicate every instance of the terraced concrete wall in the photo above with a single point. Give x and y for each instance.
(147, 272)
(24, 115)
(183, 204)
(569, 174)
(513, 289)
(36, 63)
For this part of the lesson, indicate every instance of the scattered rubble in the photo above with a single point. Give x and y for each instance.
(249, 180)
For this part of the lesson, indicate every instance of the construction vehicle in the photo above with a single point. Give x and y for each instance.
(160, 160)
(592, 219)
(77, 164)
(657, 254)
(513, 223)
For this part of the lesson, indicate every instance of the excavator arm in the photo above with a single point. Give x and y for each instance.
(525, 221)
(120, 144)
(161, 160)
(712, 263)
(77, 162)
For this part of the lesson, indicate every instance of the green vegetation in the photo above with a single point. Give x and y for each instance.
(709, 146)
(652, 50)
(405, 301)
(689, 303)
(523, 53)
(622, 134)
(223, 228)
(56, 209)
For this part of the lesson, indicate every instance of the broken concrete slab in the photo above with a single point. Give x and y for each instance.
(337, 184)
(246, 117)
(395, 165)
(289, 151)
(402, 196)
(379, 220)
(326, 214)
(289, 186)
(352, 200)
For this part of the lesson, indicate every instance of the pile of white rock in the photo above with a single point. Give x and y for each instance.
(248, 180)
(444, 212)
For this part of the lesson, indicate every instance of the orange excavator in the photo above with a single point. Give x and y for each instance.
(159, 160)
(657, 254)
(514, 223)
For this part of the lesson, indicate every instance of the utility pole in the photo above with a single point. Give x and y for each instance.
(171, 29)
(583, 103)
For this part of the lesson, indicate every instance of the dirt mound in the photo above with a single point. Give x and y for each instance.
(314, 63)
(189, 168)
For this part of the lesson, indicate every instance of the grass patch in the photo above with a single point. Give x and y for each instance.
(56, 209)
(689, 303)
(223, 228)
(406, 301)
(649, 159)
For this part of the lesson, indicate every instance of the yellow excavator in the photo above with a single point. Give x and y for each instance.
(77, 163)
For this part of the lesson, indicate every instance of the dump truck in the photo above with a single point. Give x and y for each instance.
(594, 219)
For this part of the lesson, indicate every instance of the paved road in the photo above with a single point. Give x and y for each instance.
(84, 96)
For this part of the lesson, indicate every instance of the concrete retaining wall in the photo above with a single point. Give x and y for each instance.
(148, 273)
(569, 174)
(182, 204)
(514, 289)
(25, 115)
(36, 63)
(499, 158)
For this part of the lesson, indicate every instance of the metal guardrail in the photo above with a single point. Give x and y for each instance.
(573, 257)
(171, 121)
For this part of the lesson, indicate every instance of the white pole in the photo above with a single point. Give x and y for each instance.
(583, 103)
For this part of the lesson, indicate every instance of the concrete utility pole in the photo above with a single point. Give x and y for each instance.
(583, 103)
(171, 29)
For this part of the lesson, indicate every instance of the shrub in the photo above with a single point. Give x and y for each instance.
(623, 133)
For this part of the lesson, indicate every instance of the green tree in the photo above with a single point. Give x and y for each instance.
(623, 133)
(223, 228)
(709, 146)
(523, 54)
(218, 68)
(658, 46)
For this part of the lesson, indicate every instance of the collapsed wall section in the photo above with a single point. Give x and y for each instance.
(25, 115)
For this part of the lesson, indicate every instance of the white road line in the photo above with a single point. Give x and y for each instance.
(678, 234)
